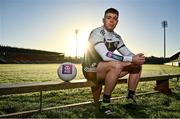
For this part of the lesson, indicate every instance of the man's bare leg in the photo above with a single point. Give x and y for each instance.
(134, 76)
(133, 79)
(109, 71)
(111, 80)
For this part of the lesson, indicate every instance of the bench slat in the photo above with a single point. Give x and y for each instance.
(33, 87)
(58, 85)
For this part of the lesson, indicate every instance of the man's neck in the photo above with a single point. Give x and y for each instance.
(107, 29)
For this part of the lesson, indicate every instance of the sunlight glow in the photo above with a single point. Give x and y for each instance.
(82, 42)
(82, 39)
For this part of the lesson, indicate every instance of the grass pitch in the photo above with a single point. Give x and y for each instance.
(151, 106)
(18, 73)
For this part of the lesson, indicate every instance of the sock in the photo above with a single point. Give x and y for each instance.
(106, 98)
(131, 93)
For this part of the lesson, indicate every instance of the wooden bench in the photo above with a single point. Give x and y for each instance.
(162, 85)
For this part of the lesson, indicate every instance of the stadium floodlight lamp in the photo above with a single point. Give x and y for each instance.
(164, 25)
(76, 32)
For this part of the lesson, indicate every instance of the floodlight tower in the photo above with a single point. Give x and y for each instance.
(164, 25)
(76, 32)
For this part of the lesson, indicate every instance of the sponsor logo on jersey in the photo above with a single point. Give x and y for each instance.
(102, 32)
(109, 39)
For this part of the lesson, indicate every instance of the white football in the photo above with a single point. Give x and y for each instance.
(67, 71)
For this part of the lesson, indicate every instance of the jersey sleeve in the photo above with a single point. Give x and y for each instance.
(96, 36)
(108, 55)
(97, 40)
(102, 51)
(122, 49)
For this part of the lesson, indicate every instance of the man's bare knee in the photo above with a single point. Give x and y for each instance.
(117, 66)
(136, 69)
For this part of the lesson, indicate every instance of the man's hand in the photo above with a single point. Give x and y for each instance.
(138, 59)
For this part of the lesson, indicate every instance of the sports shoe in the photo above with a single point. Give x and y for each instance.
(131, 99)
(105, 108)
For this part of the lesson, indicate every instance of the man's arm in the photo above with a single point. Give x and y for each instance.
(109, 56)
(97, 40)
(138, 59)
(125, 52)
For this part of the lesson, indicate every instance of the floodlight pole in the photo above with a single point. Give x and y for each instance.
(76, 32)
(164, 25)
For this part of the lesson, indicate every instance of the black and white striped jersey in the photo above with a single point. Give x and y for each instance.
(102, 44)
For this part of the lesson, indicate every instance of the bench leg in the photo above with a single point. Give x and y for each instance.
(40, 101)
(178, 78)
(163, 86)
(96, 91)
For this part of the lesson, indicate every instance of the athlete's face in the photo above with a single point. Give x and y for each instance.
(110, 21)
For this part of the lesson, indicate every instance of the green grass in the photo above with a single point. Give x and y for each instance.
(151, 106)
(17, 73)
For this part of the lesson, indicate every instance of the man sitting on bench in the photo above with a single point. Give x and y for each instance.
(107, 66)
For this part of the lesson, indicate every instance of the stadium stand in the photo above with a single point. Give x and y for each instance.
(27, 56)
(174, 60)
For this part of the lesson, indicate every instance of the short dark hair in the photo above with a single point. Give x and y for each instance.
(111, 10)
